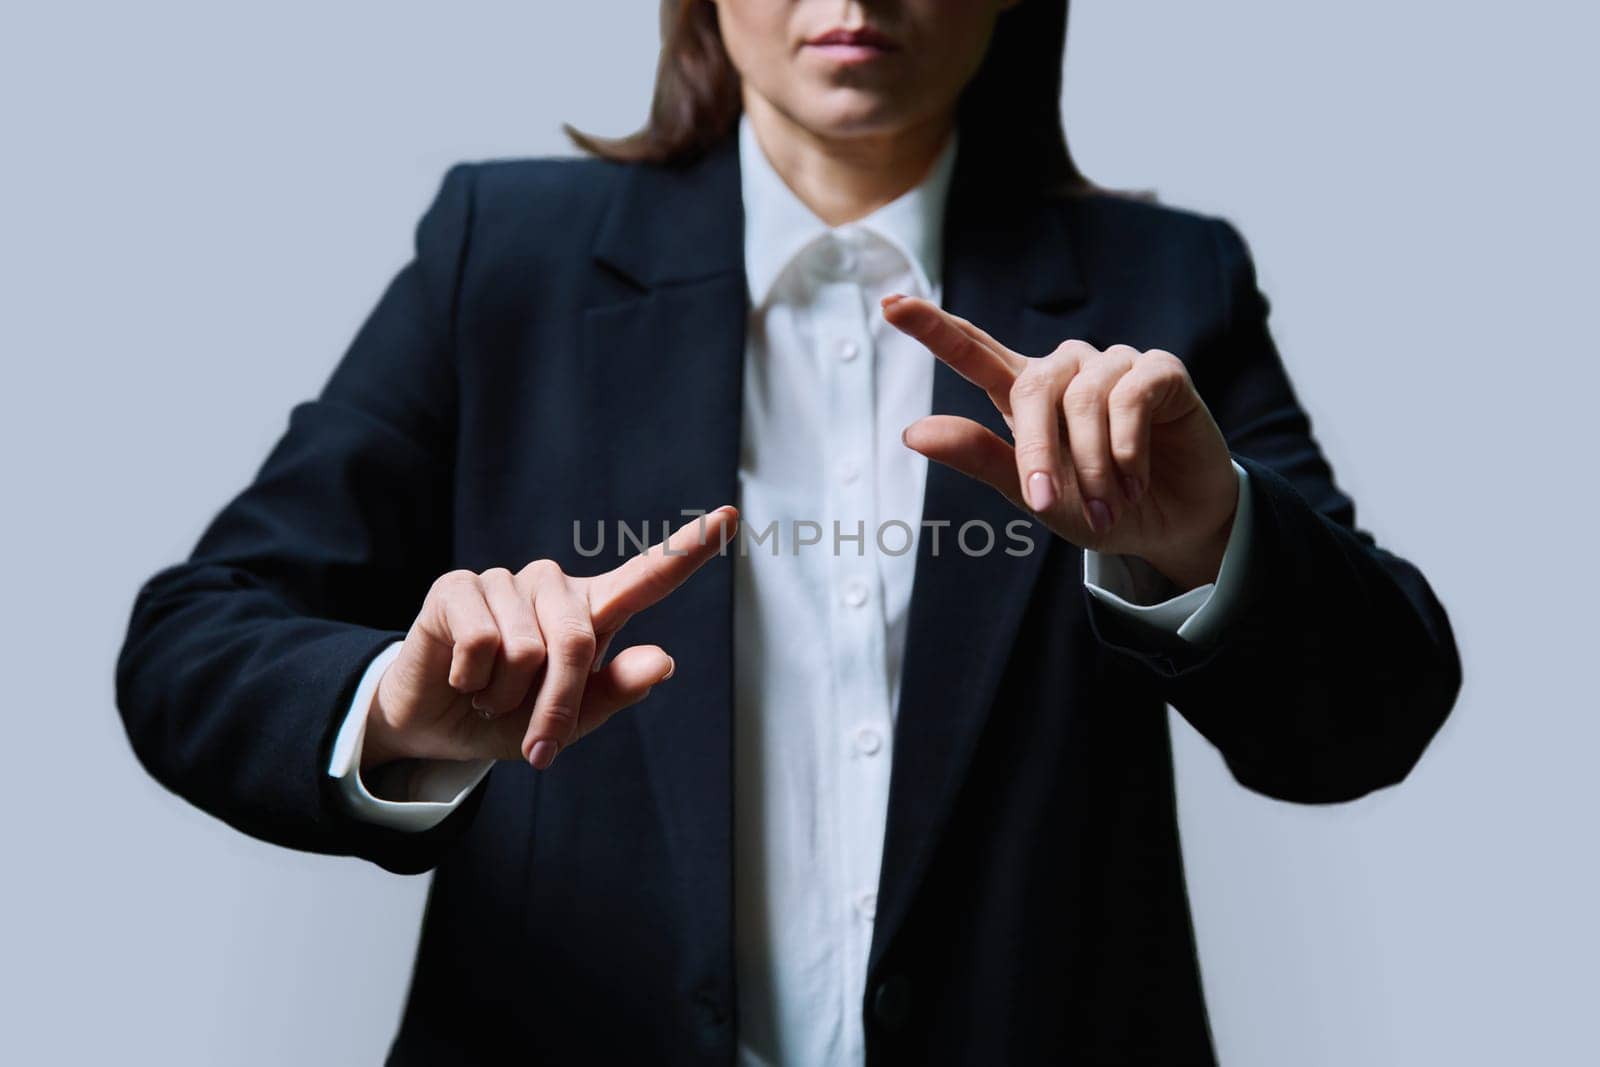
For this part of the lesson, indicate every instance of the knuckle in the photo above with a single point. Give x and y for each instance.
(561, 717)
(575, 639)
(1076, 349)
(575, 627)
(1092, 474)
(523, 650)
(1126, 401)
(1165, 361)
(496, 574)
(478, 640)
(454, 580)
(1123, 353)
(1034, 454)
(1125, 452)
(541, 570)
(1130, 391)
(1029, 385)
(1082, 398)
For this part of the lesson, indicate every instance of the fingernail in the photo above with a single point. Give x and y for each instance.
(543, 754)
(672, 668)
(477, 702)
(1041, 491)
(1099, 516)
(1131, 486)
(891, 300)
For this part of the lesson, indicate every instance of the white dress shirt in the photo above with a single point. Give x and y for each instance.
(831, 502)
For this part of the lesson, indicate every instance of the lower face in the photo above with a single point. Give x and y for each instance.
(844, 70)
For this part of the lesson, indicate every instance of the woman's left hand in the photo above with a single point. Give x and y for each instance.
(1114, 450)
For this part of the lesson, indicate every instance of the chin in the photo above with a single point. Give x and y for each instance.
(852, 112)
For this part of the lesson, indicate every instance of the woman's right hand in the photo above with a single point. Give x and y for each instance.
(501, 665)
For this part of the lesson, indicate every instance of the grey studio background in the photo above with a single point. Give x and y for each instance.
(201, 201)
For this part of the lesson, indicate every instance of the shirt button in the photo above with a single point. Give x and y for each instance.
(855, 593)
(849, 472)
(848, 350)
(867, 905)
(868, 741)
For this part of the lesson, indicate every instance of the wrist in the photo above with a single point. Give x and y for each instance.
(380, 744)
(1195, 567)
(1198, 560)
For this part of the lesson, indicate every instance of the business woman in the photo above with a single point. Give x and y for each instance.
(899, 786)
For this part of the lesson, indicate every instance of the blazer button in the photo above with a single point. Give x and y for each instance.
(891, 1003)
(710, 1007)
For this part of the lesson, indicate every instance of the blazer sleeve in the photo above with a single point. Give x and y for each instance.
(239, 663)
(1337, 664)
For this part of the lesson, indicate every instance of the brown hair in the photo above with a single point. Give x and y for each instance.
(1011, 108)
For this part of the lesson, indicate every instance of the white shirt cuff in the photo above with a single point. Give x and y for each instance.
(413, 795)
(1130, 585)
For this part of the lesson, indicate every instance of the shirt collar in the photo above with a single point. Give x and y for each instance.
(777, 225)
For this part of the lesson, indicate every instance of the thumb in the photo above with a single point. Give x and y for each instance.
(625, 681)
(968, 447)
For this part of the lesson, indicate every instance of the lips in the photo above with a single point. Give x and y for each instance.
(865, 38)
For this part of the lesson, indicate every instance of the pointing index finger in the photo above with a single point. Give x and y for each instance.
(648, 577)
(968, 351)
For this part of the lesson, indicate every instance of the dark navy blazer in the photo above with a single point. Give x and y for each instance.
(567, 345)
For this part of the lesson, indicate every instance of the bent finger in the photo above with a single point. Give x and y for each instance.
(1036, 426)
(623, 682)
(570, 644)
(521, 652)
(1131, 411)
(467, 623)
(1084, 408)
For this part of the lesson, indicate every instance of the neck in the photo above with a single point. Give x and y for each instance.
(845, 179)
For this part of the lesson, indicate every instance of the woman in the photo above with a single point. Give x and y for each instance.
(738, 306)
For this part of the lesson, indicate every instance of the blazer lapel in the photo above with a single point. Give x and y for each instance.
(664, 357)
(1009, 269)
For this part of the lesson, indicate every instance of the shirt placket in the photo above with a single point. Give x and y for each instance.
(857, 730)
